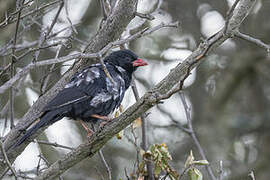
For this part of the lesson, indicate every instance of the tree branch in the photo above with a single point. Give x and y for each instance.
(193, 135)
(100, 153)
(55, 145)
(7, 160)
(98, 54)
(144, 134)
(258, 42)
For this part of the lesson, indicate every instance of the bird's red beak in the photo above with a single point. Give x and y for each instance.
(139, 62)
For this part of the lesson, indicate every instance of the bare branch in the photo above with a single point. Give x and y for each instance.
(221, 171)
(106, 8)
(33, 65)
(9, 19)
(193, 135)
(47, 78)
(68, 18)
(7, 160)
(55, 145)
(229, 15)
(258, 42)
(144, 134)
(100, 153)
(134, 142)
(43, 36)
(145, 16)
(12, 68)
(105, 69)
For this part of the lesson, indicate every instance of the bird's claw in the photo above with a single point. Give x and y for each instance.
(89, 131)
(102, 125)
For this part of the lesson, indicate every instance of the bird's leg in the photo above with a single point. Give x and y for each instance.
(89, 131)
(106, 119)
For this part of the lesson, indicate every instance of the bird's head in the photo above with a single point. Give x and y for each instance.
(126, 59)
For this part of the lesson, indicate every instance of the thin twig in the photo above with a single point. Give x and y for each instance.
(55, 145)
(135, 142)
(41, 158)
(25, 177)
(55, 18)
(144, 135)
(193, 135)
(145, 16)
(47, 78)
(33, 65)
(229, 15)
(126, 174)
(183, 173)
(50, 38)
(38, 166)
(5, 109)
(221, 171)
(7, 160)
(37, 49)
(7, 19)
(105, 69)
(43, 36)
(137, 148)
(12, 68)
(258, 42)
(100, 153)
(101, 175)
(5, 69)
(106, 10)
(44, 159)
(68, 18)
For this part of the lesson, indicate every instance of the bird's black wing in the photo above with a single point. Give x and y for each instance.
(83, 86)
(89, 92)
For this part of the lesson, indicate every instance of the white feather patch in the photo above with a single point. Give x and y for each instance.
(100, 98)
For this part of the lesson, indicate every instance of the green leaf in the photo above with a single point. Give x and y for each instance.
(141, 167)
(201, 162)
(157, 170)
(195, 174)
(173, 174)
(189, 160)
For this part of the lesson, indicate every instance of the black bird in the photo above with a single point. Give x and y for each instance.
(91, 95)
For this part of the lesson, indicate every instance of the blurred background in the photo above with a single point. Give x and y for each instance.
(229, 93)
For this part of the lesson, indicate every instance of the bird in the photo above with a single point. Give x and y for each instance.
(91, 94)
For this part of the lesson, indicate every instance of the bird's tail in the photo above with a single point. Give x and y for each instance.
(47, 119)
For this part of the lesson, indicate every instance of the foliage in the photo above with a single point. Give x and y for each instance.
(160, 157)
